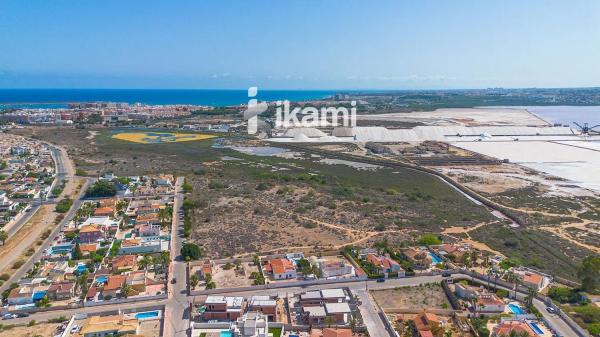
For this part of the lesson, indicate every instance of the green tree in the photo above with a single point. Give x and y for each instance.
(589, 273)
(126, 290)
(187, 188)
(194, 281)
(145, 262)
(210, 284)
(43, 303)
(165, 215)
(430, 240)
(3, 236)
(77, 254)
(191, 251)
(101, 188)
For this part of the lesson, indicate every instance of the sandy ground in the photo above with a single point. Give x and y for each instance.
(420, 297)
(27, 236)
(464, 117)
(42, 329)
(230, 279)
(501, 178)
(577, 165)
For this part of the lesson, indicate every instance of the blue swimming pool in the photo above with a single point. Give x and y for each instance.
(515, 309)
(147, 314)
(38, 295)
(536, 328)
(59, 249)
(436, 259)
(81, 269)
(101, 279)
(226, 334)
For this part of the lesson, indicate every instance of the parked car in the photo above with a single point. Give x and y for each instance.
(22, 315)
(446, 274)
(551, 310)
(380, 280)
(9, 316)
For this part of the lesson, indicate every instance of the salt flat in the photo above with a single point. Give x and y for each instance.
(578, 165)
(464, 117)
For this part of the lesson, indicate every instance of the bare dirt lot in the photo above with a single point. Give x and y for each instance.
(41, 329)
(233, 277)
(427, 296)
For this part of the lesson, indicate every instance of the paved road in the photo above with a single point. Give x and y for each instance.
(38, 254)
(65, 170)
(176, 309)
(178, 321)
(45, 316)
(370, 315)
(61, 171)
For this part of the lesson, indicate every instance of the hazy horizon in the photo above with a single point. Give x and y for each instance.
(333, 45)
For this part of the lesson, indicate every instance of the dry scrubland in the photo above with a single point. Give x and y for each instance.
(269, 203)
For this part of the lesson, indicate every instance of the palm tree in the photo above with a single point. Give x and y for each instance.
(489, 274)
(531, 292)
(516, 280)
(145, 261)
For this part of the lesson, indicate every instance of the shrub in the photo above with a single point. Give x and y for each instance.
(64, 205)
(191, 251)
(101, 189)
(563, 295)
(18, 264)
(430, 240)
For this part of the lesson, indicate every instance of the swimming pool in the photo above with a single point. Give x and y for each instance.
(226, 334)
(515, 309)
(536, 328)
(435, 259)
(81, 269)
(58, 249)
(101, 279)
(147, 314)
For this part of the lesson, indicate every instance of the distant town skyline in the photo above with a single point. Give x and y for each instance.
(339, 45)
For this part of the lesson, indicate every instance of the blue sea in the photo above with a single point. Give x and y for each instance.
(58, 98)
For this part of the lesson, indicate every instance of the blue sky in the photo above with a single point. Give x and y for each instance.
(330, 44)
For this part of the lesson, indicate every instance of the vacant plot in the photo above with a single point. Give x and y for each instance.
(41, 329)
(234, 276)
(264, 204)
(427, 296)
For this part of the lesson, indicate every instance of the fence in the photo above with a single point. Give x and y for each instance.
(278, 285)
(127, 300)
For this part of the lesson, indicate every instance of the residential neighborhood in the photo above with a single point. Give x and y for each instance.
(27, 177)
(114, 248)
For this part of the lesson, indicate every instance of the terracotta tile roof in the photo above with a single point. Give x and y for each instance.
(489, 300)
(532, 278)
(92, 247)
(330, 332)
(115, 282)
(281, 266)
(62, 287)
(504, 329)
(130, 243)
(124, 261)
(104, 211)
